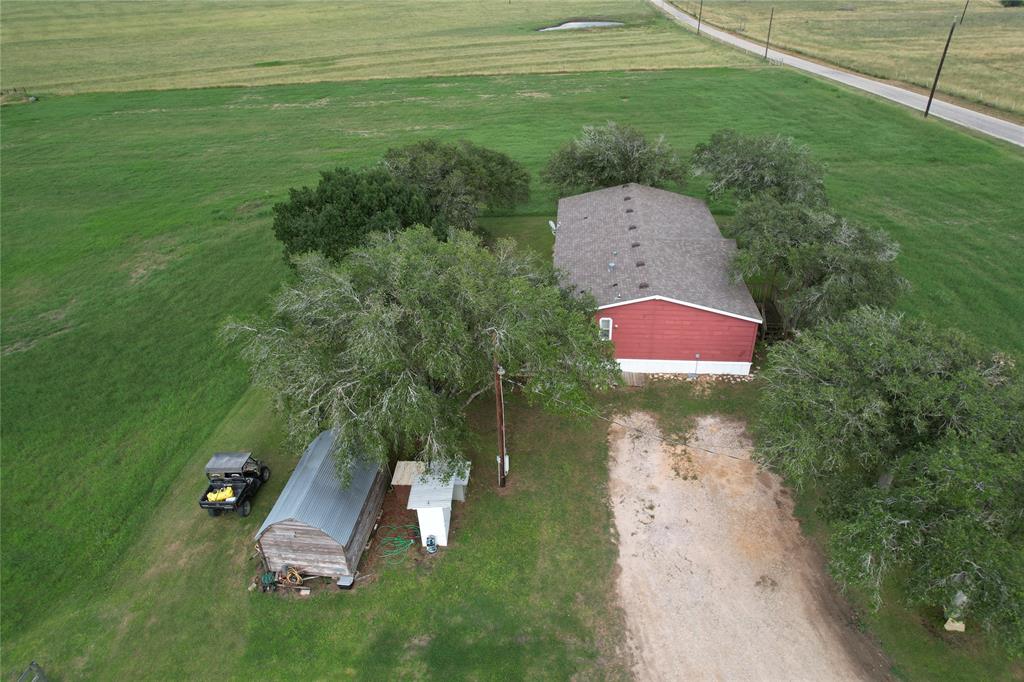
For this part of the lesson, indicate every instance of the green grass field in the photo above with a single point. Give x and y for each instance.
(66, 47)
(899, 40)
(134, 223)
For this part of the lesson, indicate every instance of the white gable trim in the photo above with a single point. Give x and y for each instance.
(677, 302)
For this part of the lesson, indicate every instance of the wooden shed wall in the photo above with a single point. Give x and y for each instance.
(308, 549)
(367, 517)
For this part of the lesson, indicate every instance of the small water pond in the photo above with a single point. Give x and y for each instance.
(575, 25)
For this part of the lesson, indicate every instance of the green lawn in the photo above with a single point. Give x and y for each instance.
(67, 47)
(133, 223)
(530, 231)
(899, 40)
(517, 593)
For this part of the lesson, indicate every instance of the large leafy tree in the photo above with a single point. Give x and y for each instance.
(749, 165)
(613, 154)
(347, 205)
(811, 263)
(390, 345)
(914, 437)
(460, 179)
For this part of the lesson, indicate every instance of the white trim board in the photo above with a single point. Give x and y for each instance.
(646, 366)
(677, 302)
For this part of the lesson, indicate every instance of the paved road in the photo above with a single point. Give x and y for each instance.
(968, 118)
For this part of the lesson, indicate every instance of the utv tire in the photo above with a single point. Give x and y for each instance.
(213, 512)
(265, 474)
(245, 509)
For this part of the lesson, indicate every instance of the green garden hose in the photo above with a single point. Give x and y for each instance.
(396, 540)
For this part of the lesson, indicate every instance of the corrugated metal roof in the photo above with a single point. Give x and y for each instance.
(631, 241)
(314, 496)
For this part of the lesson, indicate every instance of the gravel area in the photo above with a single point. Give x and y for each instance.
(715, 577)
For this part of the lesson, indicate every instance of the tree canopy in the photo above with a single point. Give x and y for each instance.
(914, 437)
(812, 263)
(345, 207)
(608, 155)
(459, 179)
(391, 344)
(749, 165)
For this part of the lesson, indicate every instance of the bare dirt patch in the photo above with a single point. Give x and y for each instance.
(153, 255)
(316, 104)
(716, 577)
(44, 326)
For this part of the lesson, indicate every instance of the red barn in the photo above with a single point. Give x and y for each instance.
(661, 273)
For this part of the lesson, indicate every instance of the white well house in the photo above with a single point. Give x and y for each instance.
(432, 497)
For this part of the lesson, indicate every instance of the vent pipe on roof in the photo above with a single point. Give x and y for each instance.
(611, 266)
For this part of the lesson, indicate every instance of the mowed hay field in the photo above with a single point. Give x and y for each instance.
(134, 223)
(67, 47)
(899, 40)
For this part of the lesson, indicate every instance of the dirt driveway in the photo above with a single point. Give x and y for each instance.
(716, 578)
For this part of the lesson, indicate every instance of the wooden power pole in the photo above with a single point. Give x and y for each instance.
(938, 72)
(700, 13)
(499, 402)
(768, 40)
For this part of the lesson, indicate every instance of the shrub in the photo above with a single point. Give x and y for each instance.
(814, 264)
(345, 207)
(748, 165)
(608, 155)
(459, 179)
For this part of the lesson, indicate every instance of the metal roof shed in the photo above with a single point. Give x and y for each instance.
(316, 526)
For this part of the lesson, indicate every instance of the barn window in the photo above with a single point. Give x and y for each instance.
(606, 328)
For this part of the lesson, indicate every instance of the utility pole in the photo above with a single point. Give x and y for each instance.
(769, 38)
(700, 13)
(965, 12)
(935, 83)
(499, 401)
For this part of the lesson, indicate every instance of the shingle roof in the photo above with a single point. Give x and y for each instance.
(314, 496)
(631, 241)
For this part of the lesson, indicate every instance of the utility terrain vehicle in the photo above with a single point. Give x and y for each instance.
(234, 477)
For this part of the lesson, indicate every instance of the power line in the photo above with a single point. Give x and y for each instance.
(657, 436)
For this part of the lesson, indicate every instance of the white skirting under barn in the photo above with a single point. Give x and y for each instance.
(684, 367)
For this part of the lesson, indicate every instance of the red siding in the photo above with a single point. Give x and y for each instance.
(659, 330)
